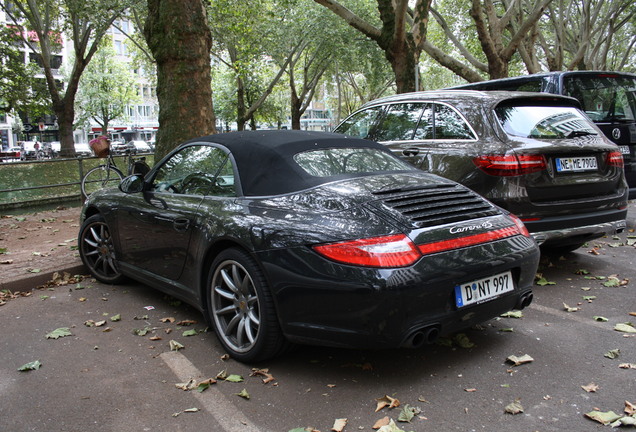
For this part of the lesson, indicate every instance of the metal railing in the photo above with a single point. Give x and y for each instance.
(37, 182)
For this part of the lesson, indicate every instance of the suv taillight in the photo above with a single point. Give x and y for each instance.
(510, 165)
(615, 158)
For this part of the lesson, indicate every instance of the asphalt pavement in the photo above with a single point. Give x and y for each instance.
(121, 368)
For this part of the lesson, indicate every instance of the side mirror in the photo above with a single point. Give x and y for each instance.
(132, 184)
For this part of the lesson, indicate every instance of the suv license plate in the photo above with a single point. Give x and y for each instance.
(624, 149)
(575, 164)
(484, 289)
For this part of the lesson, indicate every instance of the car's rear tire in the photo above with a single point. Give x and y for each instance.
(241, 308)
(97, 250)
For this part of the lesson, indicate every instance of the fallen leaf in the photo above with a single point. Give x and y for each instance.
(514, 408)
(603, 417)
(167, 320)
(382, 422)
(462, 340)
(232, 378)
(590, 388)
(192, 332)
(186, 322)
(204, 385)
(391, 427)
(600, 318)
(517, 361)
(189, 385)
(244, 394)
(116, 318)
(541, 281)
(612, 354)
(34, 365)
(339, 425)
(407, 413)
(264, 373)
(625, 328)
(175, 346)
(627, 365)
(60, 332)
(386, 401)
(570, 309)
(513, 314)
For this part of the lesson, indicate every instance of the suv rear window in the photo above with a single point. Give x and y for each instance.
(549, 122)
(604, 97)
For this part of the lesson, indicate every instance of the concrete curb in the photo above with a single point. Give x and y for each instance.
(31, 281)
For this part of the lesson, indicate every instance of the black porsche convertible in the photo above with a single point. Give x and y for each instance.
(282, 237)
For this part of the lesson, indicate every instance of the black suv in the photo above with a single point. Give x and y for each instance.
(537, 155)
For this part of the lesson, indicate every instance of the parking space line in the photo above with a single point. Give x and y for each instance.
(571, 316)
(226, 414)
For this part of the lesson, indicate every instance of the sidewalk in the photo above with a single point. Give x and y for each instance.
(36, 245)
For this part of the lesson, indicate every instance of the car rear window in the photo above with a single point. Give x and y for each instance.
(549, 122)
(604, 97)
(346, 161)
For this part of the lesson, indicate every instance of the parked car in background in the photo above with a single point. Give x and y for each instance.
(120, 147)
(310, 237)
(536, 155)
(83, 149)
(139, 146)
(11, 154)
(608, 98)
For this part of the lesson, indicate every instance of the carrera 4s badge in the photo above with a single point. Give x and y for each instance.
(465, 228)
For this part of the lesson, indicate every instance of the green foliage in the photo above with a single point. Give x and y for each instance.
(107, 87)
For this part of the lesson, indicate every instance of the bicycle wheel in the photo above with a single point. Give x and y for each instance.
(102, 176)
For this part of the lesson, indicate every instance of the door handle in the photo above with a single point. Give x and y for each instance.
(410, 152)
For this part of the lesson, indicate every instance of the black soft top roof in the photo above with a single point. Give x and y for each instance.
(264, 159)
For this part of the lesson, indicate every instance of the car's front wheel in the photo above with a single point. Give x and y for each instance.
(97, 250)
(241, 308)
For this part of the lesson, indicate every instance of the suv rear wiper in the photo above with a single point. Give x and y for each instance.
(580, 133)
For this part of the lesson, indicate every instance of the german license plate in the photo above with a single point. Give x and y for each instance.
(482, 290)
(624, 149)
(576, 164)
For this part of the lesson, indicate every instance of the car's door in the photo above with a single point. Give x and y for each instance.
(155, 227)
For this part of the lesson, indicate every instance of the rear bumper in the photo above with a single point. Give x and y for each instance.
(576, 234)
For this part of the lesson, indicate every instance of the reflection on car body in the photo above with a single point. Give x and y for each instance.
(536, 155)
(283, 237)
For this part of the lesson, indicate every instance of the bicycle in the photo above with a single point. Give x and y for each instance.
(108, 174)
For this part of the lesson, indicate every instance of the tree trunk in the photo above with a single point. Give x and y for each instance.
(180, 40)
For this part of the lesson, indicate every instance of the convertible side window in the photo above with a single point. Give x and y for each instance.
(196, 170)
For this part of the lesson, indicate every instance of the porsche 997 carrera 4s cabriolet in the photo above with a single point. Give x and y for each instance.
(282, 237)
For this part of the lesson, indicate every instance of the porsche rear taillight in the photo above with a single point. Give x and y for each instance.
(615, 158)
(399, 251)
(387, 251)
(510, 165)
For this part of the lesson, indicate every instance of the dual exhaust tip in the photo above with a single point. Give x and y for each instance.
(428, 335)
